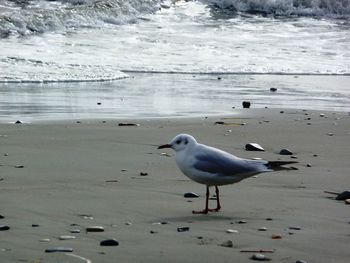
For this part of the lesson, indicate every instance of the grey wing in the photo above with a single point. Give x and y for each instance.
(215, 161)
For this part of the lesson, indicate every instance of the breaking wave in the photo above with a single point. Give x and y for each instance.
(24, 17)
(316, 8)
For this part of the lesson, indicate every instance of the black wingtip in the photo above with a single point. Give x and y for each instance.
(278, 165)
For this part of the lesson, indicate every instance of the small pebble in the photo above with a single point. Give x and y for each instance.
(45, 240)
(246, 104)
(322, 114)
(4, 228)
(191, 195)
(66, 237)
(259, 257)
(227, 243)
(242, 222)
(262, 229)
(109, 242)
(18, 122)
(295, 228)
(286, 152)
(330, 134)
(75, 231)
(281, 111)
(273, 89)
(2, 217)
(276, 237)
(309, 165)
(300, 261)
(153, 232)
(347, 201)
(128, 223)
(254, 147)
(35, 225)
(183, 229)
(143, 174)
(58, 249)
(19, 166)
(269, 219)
(95, 229)
(231, 231)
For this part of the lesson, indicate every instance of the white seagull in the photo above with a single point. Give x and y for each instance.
(213, 167)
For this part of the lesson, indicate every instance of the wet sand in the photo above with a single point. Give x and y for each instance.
(65, 175)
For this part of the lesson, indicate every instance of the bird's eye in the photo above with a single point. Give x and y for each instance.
(186, 141)
(178, 141)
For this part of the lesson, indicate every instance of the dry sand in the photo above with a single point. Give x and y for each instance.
(66, 166)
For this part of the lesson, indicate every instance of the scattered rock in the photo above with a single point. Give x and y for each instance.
(143, 174)
(109, 242)
(183, 229)
(294, 157)
(99, 103)
(35, 225)
(90, 217)
(231, 231)
(295, 228)
(95, 229)
(254, 147)
(191, 195)
(2, 217)
(309, 165)
(18, 122)
(322, 115)
(128, 223)
(300, 261)
(45, 240)
(219, 78)
(227, 243)
(128, 124)
(153, 232)
(330, 134)
(269, 219)
(273, 89)
(66, 237)
(343, 196)
(246, 104)
(286, 152)
(259, 257)
(276, 237)
(219, 123)
(4, 227)
(19, 166)
(59, 249)
(75, 231)
(281, 111)
(242, 222)
(347, 201)
(111, 181)
(262, 229)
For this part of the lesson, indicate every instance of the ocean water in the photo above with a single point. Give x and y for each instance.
(59, 58)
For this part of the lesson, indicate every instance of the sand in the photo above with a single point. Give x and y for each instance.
(84, 174)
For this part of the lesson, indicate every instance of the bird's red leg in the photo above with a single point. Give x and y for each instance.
(205, 211)
(218, 206)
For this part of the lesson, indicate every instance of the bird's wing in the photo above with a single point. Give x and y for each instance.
(211, 160)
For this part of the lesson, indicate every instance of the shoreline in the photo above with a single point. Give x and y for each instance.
(67, 175)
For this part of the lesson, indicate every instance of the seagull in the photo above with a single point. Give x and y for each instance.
(213, 167)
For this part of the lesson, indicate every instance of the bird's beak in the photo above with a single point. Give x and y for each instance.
(165, 146)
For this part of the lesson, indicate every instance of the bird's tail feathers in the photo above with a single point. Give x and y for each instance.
(278, 165)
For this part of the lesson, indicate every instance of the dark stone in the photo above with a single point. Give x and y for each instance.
(219, 78)
(18, 122)
(259, 257)
(191, 195)
(309, 165)
(128, 124)
(2, 217)
(35, 225)
(109, 242)
(281, 111)
(19, 166)
(219, 123)
(273, 89)
(242, 222)
(143, 174)
(343, 196)
(95, 229)
(269, 219)
(4, 228)
(300, 261)
(59, 249)
(99, 103)
(286, 152)
(183, 229)
(295, 228)
(246, 104)
(254, 147)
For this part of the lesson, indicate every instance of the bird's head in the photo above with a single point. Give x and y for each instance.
(180, 142)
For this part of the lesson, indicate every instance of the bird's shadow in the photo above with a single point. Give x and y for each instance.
(210, 217)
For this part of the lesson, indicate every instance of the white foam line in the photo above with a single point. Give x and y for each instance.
(80, 257)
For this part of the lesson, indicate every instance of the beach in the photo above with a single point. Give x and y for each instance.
(59, 176)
